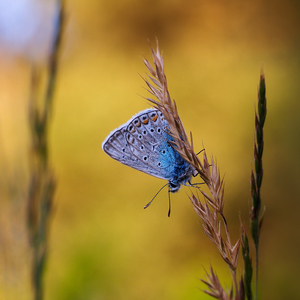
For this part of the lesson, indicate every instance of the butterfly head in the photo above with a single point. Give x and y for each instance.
(176, 183)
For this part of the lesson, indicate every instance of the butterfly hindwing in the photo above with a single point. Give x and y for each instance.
(116, 147)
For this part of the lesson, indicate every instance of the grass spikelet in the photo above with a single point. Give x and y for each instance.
(256, 219)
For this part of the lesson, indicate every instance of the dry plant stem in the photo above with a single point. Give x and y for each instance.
(157, 84)
(42, 182)
(216, 290)
(212, 228)
(257, 175)
(210, 212)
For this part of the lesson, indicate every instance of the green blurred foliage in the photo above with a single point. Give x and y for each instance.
(103, 244)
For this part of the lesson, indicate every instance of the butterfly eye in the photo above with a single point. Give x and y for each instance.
(142, 147)
(140, 136)
(123, 149)
(164, 152)
(172, 185)
(144, 132)
(145, 158)
(159, 164)
(152, 130)
(158, 130)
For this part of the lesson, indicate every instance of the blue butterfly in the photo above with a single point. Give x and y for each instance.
(143, 143)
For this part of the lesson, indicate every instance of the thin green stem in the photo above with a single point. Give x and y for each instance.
(256, 271)
(42, 182)
(257, 173)
(247, 276)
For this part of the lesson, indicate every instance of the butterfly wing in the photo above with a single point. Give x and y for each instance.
(143, 144)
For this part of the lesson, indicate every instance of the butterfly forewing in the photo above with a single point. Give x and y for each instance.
(138, 143)
(146, 134)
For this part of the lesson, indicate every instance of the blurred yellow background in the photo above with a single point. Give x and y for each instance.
(103, 244)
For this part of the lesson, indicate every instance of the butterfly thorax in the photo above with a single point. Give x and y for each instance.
(183, 173)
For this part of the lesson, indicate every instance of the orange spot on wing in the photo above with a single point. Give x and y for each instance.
(154, 118)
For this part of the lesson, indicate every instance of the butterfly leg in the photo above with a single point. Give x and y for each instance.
(169, 212)
(194, 184)
(200, 151)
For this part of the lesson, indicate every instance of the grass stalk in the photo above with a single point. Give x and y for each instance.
(256, 219)
(42, 182)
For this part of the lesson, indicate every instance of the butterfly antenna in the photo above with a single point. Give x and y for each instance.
(169, 212)
(155, 195)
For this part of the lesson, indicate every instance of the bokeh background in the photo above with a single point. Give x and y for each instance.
(103, 244)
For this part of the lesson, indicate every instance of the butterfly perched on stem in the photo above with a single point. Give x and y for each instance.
(144, 143)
